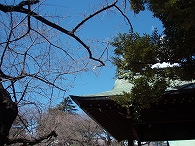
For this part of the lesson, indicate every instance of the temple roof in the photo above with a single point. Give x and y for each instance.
(122, 85)
(172, 118)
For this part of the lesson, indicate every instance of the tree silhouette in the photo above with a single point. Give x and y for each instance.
(67, 106)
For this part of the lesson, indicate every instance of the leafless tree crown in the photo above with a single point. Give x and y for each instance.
(37, 57)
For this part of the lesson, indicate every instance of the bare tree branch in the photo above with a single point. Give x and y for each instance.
(53, 44)
(19, 8)
(45, 81)
(34, 141)
(20, 58)
(27, 2)
(92, 15)
(131, 27)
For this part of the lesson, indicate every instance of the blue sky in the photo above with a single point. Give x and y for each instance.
(103, 79)
(103, 27)
(94, 33)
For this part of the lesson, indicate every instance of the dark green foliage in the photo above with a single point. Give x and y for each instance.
(137, 5)
(178, 19)
(135, 55)
(67, 106)
(134, 52)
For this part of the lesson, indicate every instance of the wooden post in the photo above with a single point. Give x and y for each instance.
(130, 136)
(168, 143)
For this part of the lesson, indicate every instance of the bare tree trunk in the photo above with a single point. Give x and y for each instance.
(8, 113)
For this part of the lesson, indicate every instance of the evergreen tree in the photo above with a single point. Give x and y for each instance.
(67, 106)
(136, 55)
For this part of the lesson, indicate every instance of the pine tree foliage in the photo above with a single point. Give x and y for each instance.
(67, 106)
(136, 55)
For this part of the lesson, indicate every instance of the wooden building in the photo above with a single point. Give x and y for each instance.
(171, 118)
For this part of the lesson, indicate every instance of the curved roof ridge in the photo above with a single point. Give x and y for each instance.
(123, 85)
(120, 86)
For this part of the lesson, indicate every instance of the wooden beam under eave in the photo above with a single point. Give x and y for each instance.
(136, 135)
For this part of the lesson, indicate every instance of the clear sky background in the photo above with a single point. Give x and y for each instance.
(103, 27)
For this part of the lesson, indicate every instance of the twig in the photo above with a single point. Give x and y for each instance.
(131, 27)
(19, 8)
(34, 141)
(92, 15)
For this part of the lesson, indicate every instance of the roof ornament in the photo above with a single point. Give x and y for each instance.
(128, 116)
